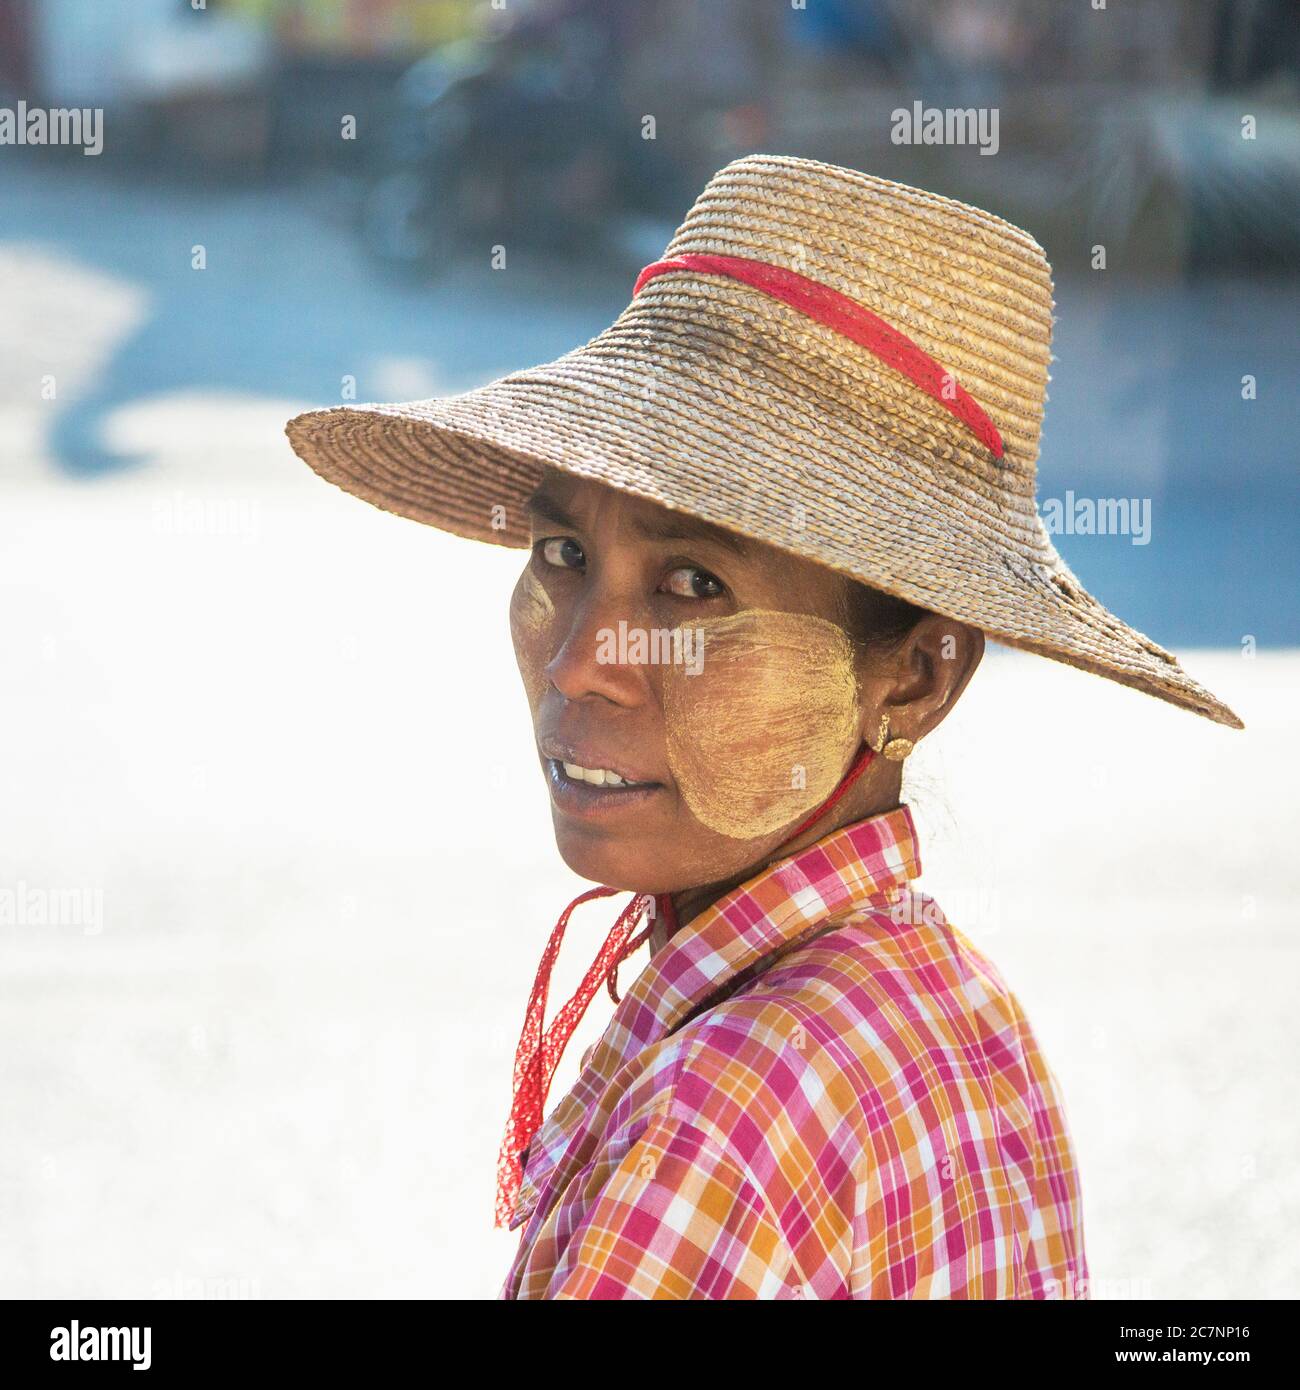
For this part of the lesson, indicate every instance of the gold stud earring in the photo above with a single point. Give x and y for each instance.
(895, 749)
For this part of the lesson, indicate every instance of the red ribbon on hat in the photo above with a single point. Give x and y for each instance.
(539, 1053)
(850, 318)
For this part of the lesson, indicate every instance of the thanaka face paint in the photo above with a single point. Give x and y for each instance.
(761, 735)
(531, 616)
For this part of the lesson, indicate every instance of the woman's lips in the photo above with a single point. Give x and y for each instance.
(574, 792)
(600, 776)
(596, 767)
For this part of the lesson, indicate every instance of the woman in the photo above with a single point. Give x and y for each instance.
(772, 513)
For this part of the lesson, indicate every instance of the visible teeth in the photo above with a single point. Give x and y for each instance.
(597, 776)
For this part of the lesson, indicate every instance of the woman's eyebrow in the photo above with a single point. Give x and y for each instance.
(674, 528)
(547, 509)
(667, 527)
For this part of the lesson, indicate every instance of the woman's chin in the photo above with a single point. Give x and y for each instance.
(649, 864)
(610, 860)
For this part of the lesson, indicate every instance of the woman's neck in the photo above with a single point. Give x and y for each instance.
(864, 801)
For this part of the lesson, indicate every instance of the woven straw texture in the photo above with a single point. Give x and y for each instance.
(709, 396)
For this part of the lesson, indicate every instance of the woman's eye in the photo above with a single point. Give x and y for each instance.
(563, 551)
(689, 581)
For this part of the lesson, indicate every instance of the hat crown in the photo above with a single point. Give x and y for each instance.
(970, 290)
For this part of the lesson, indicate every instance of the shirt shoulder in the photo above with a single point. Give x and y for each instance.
(883, 1051)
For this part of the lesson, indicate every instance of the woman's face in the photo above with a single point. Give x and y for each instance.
(711, 675)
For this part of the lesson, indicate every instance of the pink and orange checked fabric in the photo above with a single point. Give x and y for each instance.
(818, 1088)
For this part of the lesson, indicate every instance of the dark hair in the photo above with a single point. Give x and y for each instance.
(876, 618)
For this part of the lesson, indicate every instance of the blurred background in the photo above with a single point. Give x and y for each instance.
(275, 858)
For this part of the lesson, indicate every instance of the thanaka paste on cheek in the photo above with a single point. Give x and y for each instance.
(531, 615)
(761, 734)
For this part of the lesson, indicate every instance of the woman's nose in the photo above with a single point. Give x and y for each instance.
(591, 660)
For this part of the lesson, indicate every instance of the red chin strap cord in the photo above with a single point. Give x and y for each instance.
(539, 1052)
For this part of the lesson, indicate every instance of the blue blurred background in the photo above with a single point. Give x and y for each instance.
(335, 247)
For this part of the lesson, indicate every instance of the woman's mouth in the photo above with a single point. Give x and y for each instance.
(594, 790)
(599, 776)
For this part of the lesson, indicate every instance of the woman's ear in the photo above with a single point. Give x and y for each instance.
(918, 680)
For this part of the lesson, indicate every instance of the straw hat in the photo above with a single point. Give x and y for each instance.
(844, 367)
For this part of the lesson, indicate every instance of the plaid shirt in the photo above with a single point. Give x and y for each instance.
(818, 1088)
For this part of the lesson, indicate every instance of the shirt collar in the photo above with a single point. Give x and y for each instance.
(864, 864)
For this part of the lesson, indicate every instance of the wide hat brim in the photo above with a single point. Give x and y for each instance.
(711, 397)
